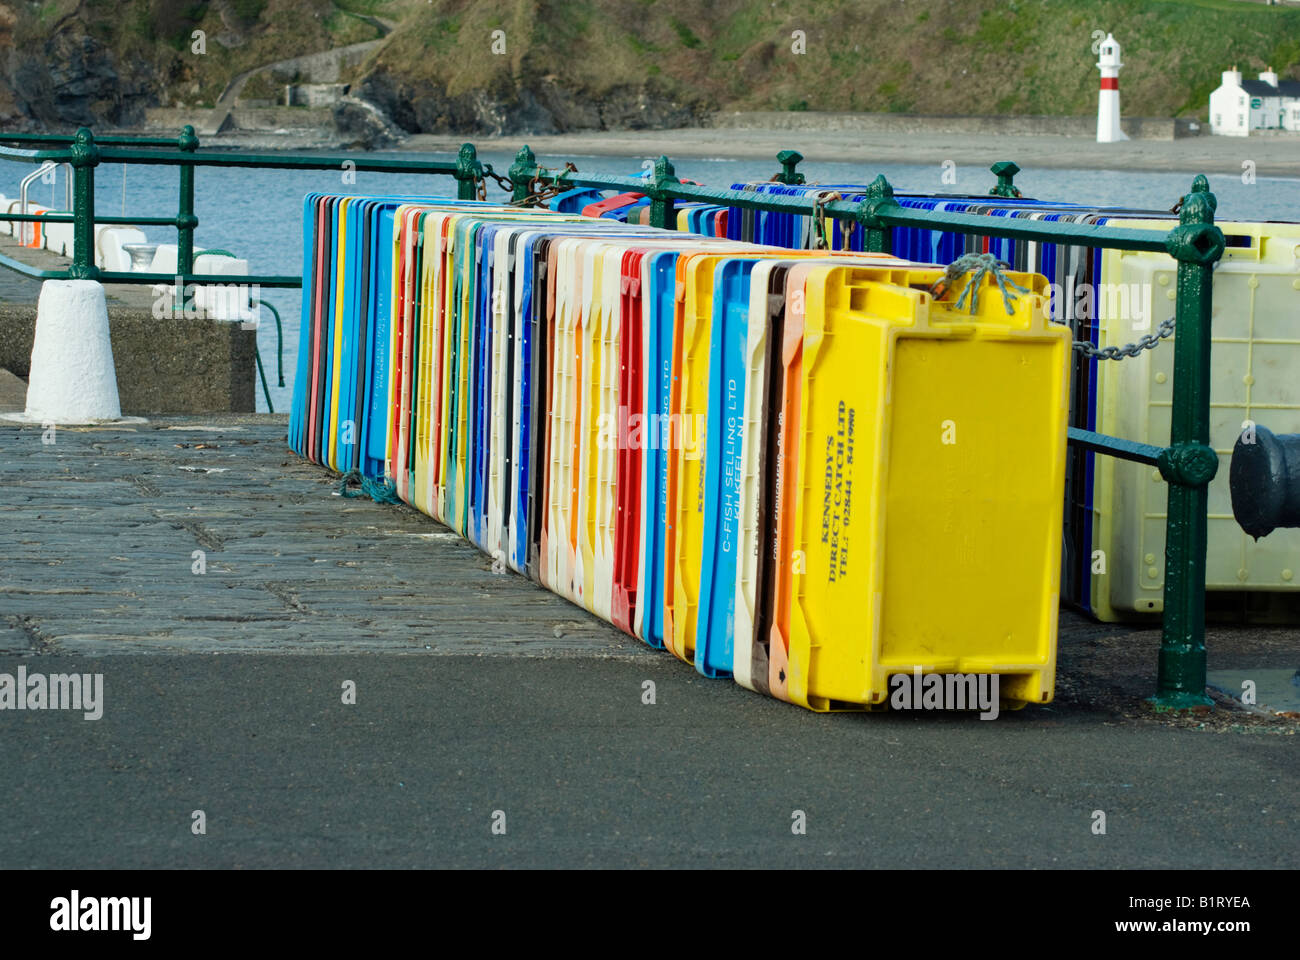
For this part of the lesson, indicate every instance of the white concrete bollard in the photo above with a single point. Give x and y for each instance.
(72, 377)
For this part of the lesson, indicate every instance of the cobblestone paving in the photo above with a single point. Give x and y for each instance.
(102, 526)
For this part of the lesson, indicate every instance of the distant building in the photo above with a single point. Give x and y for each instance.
(1240, 106)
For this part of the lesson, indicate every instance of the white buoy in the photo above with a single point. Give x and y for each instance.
(72, 378)
(1108, 128)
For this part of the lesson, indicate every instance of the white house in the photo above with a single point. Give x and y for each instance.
(1240, 106)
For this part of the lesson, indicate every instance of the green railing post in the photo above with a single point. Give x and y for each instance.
(662, 208)
(789, 159)
(876, 232)
(1006, 173)
(468, 172)
(1189, 463)
(85, 157)
(185, 219)
(522, 172)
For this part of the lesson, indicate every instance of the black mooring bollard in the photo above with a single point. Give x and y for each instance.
(1265, 481)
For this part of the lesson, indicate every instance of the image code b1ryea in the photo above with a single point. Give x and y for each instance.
(1167, 903)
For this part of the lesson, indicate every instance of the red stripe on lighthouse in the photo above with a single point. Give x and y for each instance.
(1110, 83)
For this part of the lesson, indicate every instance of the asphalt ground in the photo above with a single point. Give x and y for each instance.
(585, 774)
(495, 725)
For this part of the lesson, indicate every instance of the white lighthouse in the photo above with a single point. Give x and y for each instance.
(1108, 130)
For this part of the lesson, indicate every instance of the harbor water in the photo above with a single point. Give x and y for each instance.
(257, 214)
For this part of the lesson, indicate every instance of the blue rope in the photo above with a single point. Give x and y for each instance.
(380, 491)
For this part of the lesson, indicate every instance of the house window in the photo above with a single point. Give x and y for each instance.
(1241, 120)
(1218, 119)
(1241, 101)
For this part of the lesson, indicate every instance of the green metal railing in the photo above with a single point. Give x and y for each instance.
(84, 152)
(1187, 464)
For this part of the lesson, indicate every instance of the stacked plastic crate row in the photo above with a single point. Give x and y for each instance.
(1114, 534)
(796, 469)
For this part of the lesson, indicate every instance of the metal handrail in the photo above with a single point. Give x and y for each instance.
(129, 139)
(48, 166)
(883, 209)
(83, 152)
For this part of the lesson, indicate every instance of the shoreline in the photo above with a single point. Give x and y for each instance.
(1273, 156)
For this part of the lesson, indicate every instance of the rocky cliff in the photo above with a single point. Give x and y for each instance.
(523, 66)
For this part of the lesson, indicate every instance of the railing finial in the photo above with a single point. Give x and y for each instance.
(789, 159)
(1006, 171)
(468, 172)
(522, 172)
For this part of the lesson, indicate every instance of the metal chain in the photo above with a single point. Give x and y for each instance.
(1148, 342)
(539, 191)
(819, 218)
(502, 182)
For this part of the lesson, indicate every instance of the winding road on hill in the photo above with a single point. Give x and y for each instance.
(226, 102)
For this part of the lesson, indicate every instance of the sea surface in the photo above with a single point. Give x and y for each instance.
(257, 214)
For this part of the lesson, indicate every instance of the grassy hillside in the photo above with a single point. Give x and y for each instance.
(926, 56)
(613, 62)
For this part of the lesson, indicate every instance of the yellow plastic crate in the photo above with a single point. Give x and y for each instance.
(926, 476)
(441, 453)
(593, 580)
(689, 407)
(564, 425)
(1254, 362)
(430, 365)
